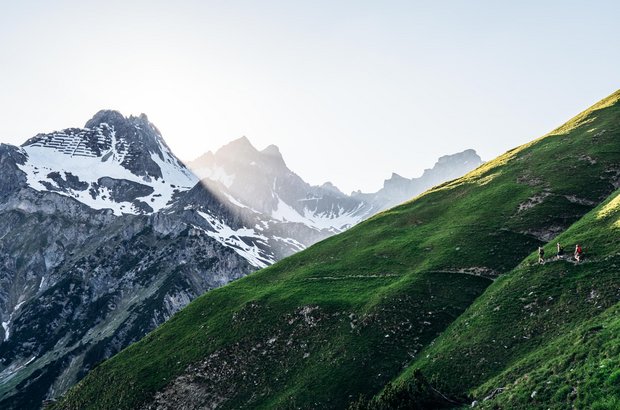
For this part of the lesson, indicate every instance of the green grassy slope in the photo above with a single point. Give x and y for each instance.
(551, 329)
(344, 317)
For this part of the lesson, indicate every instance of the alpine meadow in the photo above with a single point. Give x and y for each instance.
(436, 303)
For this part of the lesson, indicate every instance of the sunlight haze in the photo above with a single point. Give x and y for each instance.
(350, 91)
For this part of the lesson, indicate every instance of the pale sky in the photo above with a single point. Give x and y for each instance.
(349, 90)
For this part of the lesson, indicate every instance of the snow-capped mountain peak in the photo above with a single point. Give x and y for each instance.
(260, 180)
(115, 162)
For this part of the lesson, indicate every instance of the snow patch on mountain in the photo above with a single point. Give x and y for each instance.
(285, 213)
(235, 202)
(5, 325)
(337, 219)
(73, 163)
(298, 246)
(244, 241)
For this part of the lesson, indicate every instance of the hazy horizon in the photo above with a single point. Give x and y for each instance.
(350, 91)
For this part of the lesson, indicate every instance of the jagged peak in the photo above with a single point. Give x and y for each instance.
(466, 154)
(242, 150)
(272, 150)
(239, 147)
(328, 186)
(135, 129)
(105, 116)
(117, 120)
(241, 142)
(395, 178)
(274, 155)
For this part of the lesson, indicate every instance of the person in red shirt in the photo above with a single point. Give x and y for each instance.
(578, 253)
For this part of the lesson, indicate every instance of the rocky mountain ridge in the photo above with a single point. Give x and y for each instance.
(114, 163)
(89, 263)
(260, 180)
(437, 303)
(398, 189)
(105, 234)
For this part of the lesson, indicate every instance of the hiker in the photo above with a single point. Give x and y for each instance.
(560, 251)
(578, 253)
(541, 255)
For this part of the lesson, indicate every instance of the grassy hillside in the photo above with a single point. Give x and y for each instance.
(541, 336)
(346, 316)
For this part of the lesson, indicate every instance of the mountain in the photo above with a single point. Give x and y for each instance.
(105, 234)
(114, 163)
(99, 245)
(398, 189)
(261, 181)
(544, 336)
(413, 289)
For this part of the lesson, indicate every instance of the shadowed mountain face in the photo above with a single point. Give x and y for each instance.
(105, 234)
(89, 260)
(445, 287)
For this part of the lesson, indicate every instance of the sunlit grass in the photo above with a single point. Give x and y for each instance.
(387, 288)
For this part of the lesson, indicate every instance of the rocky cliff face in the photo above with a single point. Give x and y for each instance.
(105, 234)
(97, 249)
(114, 163)
(78, 287)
